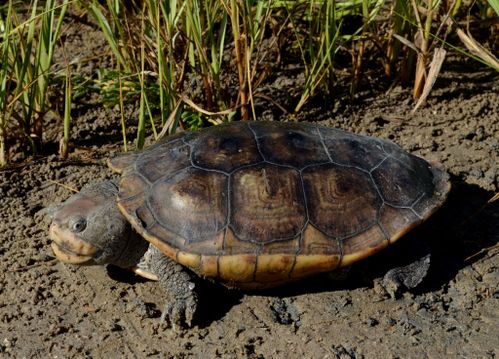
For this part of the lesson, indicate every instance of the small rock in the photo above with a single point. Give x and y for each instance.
(436, 132)
(284, 312)
(115, 327)
(480, 134)
(341, 352)
(478, 173)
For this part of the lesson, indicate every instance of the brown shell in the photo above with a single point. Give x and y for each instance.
(257, 204)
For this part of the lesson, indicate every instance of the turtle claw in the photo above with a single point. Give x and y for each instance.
(179, 313)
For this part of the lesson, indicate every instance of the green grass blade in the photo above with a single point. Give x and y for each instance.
(108, 34)
(494, 4)
(68, 94)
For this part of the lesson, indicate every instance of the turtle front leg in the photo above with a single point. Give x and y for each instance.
(180, 289)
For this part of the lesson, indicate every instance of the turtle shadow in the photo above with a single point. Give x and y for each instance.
(215, 302)
(124, 275)
(458, 235)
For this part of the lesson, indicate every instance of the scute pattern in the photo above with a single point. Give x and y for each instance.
(352, 150)
(275, 142)
(192, 203)
(342, 201)
(402, 185)
(265, 202)
(163, 161)
(225, 148)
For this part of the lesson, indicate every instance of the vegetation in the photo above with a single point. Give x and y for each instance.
(227, 48)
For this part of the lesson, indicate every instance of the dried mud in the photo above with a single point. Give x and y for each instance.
(49, 309)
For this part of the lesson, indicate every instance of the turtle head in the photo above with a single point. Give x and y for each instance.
(89, 229)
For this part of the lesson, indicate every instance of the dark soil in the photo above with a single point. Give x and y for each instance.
(49, 309)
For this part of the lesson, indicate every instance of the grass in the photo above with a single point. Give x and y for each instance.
(318, 45)
(27, 50)
(189, 63)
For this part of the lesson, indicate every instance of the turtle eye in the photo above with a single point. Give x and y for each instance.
(78, 225)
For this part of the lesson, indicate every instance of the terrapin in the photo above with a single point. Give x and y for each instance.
(251, 204)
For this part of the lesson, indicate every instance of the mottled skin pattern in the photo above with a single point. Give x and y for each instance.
(257, 204)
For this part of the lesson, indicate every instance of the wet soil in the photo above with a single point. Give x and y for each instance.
(50, 309)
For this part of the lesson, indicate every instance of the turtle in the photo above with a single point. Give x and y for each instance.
(250, 204)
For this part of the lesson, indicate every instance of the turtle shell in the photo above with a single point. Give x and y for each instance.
(257, 204)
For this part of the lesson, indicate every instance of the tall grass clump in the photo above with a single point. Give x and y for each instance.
(183, 41)
(316, 29)
(197, 52)
(187, 63)
(421, 32)
(28, 36)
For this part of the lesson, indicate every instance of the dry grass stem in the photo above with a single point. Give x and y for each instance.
(435, 66)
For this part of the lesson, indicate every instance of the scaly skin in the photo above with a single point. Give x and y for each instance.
(408, 277)
(180, 289)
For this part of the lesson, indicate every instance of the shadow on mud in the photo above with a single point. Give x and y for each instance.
(461, 233)
(215, 302)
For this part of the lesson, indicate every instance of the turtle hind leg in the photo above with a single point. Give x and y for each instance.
(179, 286)
(407, 277)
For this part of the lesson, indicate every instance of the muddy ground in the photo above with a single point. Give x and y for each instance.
(49, 309)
